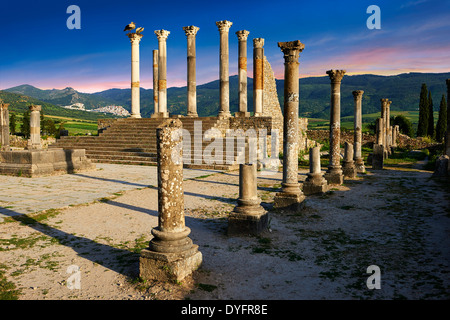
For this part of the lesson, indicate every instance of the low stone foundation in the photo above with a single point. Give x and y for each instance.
(36, 163)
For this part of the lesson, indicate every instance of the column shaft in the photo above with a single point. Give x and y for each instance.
(162, 71)
(359, 162)
(135, 38)
(155, 82)
(191, 32)
(224, 26)
(35, 127)
(258, 76)
(4, 126)
(242, 73)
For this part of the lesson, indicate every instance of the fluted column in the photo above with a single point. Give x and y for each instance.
(224, 26)
(290, 195)
(4, 126)
(258, 76)
(242, 73)
(191, 32)
(155, 82)
(135, 39)
(171, 255)
(359, 162)
(162, 72)
(334, 173)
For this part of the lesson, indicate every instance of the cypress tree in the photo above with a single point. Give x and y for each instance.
(12, 123)
(422, 128)
(430, 116)
(441, 125)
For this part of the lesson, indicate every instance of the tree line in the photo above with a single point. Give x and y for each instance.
(426, 127)
(48, 126)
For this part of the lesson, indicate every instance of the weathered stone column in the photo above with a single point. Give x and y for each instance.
(248, 217)
(348, 167)
(315, 182)
(394, 135)
(4, 126)
(35, 128)
(258, 76)
(377, 156)
(359, 162)
(191, 32)
(224, 26)
(384, 115)
(155, 82)
(291, 194)
(379, 131)
(171, 254)
(162, 72)
(388, 129)
(242, 73)
(334, 174)
(135, 38)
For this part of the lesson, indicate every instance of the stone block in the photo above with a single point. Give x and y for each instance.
(245, 224)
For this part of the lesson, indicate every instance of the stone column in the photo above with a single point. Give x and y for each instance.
(155, 82)
(191, 32)
(258, 76)
(359, 162)
(291, 194)
(242, 72)
(315, 182)
(334, 174)
(4, 126)
(162, 72)
(135, 38)
(384, 114)
(171, 254)
(387, 125)
(377, 157)
(248, 217)
(224, 26)
(395, 130)
(380, 131)
(35, 128)
(348, 168)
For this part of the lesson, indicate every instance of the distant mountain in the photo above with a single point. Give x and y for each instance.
(403, 90)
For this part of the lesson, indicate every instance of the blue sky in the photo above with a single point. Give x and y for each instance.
(38, 49)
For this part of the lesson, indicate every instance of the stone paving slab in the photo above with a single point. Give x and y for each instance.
(20, 195)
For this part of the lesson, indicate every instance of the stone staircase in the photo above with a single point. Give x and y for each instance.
(133, 141)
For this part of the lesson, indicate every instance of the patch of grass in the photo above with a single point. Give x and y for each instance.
(206, 287)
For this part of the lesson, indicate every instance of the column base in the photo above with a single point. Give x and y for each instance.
(314, 184)
(289, 201)
(349, 170)
(242, 114)
(224, 114)
(135, 116)
(169, 266)
(192, 115)
(334, 176)
(159, 115)
(252, 223)
(359, 165)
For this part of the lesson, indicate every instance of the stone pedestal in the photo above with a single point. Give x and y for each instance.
(191, 32)
(242, 73)
(4, 126)
(258, 76)
(162, 73)
(224, 27)
(334, 175)
(315, 182)
(38, 163)
(171, 255)
(348, 167)
(135, 38)
(359, 162)
(34, 143)
(377, 157)
(291, 196)
(248, 217)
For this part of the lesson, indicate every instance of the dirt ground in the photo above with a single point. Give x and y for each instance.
(394, 218)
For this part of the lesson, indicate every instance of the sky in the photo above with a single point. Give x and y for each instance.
(38, 48)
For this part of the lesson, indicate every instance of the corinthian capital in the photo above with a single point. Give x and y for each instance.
(191, 30)
(224, 25)
(242, 35)
(258, 42)
(135, 37)
(357, 94)
(162, 34)
(336, 75)
(35, 107)
(291, 50)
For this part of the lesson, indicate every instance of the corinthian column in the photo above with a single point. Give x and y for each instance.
(135, 38)
(224, 26)
(162, 72)
(291, 194)
(191, 32)
(242, 71)
(359, 162)
(334, 173)
(258, 76)
(155, 82)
